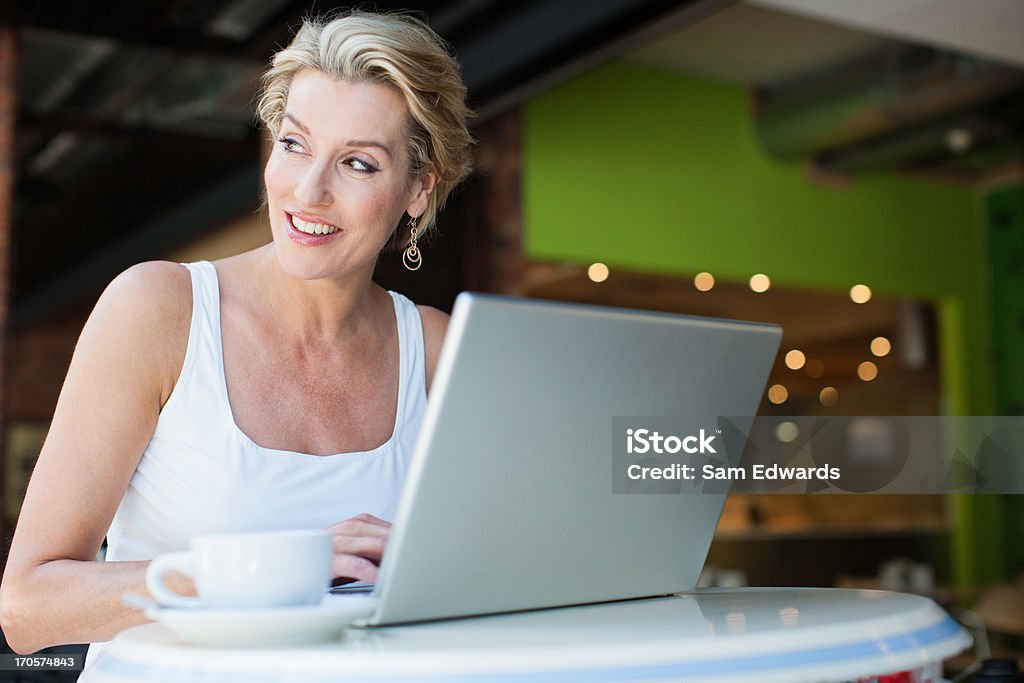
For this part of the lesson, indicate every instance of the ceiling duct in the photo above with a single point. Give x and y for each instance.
(901, 105)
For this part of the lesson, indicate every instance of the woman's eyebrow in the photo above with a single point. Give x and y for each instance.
(294, 120)
(351, 143)
(370, 143)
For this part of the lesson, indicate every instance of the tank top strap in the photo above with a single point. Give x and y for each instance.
(205, 296)
(204, 357)
(413, 357)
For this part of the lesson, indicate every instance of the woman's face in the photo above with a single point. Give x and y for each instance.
(338, 177)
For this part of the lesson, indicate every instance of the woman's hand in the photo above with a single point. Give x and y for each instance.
(359, 544)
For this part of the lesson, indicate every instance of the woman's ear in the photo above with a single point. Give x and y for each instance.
(422, 187)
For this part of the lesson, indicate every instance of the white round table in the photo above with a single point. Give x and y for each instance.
(762, 634)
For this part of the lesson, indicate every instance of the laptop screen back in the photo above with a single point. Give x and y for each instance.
(509, 502)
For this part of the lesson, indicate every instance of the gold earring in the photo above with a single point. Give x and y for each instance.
(411, 257)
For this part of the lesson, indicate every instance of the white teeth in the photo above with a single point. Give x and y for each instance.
(313, 228)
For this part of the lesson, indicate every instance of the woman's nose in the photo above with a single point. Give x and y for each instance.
(314, 186)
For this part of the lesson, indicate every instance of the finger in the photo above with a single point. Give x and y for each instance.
(364, 546)
(352, 567)
(354, 527)
(370, 519)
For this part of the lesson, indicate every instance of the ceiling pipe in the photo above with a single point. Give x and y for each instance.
(885, 109)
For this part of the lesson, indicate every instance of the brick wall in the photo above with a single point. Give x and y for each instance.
(493, 235)
(7, 166)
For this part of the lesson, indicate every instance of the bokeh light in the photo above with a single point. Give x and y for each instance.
(829, 396)
(861, 294)
(704, 281)
(867, 371)
(815, 368)
(880, 346)
(598, 272)
(778, 394)
(760, 283)
(787, 432)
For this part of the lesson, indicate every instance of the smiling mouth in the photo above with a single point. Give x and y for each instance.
(311, 228)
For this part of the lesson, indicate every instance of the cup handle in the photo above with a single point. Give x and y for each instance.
(158, 568)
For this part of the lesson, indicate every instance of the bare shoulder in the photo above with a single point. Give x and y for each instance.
(435, 322)
(153, 285)
(150, 302)
(435, 325)
(146, 310)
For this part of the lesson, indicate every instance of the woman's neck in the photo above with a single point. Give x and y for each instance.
(322, 311)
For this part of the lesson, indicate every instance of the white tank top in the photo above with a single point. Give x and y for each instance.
(201, 474)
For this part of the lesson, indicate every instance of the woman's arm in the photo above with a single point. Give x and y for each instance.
(123, 370)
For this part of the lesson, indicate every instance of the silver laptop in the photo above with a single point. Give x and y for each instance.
(509, 501)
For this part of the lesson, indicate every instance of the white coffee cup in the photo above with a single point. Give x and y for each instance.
(264, 569)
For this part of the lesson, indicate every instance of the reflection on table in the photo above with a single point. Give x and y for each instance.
(710, 635)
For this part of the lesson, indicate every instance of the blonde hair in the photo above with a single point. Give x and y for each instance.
(397, 50)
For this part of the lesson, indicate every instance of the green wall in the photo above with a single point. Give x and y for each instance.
(654, 170)
(1004, 217)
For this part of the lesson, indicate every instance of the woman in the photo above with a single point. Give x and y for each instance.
(280, 388)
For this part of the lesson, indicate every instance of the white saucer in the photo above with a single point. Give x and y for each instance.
(260, 627)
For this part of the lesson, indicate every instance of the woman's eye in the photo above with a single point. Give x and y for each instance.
(359, 165)
(290, 144)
